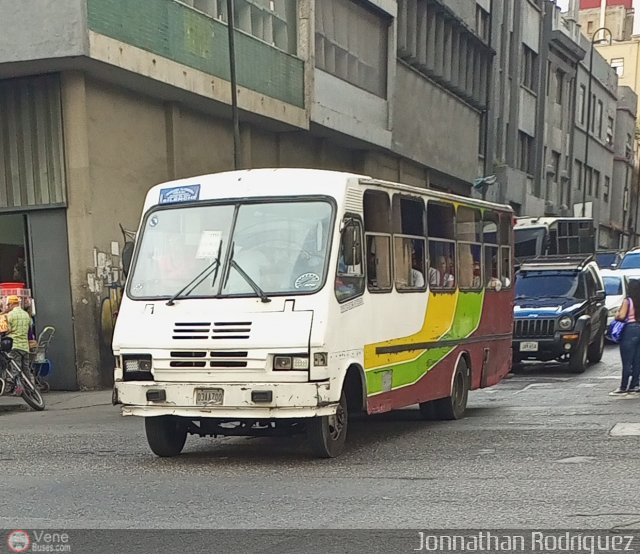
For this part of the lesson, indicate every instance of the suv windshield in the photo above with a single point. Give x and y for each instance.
(546, 284)
(281, 246)
(630, 261)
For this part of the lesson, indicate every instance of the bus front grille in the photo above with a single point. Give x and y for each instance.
(526, 328)
(201, 359)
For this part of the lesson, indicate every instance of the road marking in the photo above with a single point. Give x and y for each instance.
(587, 385)
(608, 377)
(575, 460)
(532, 385)
(625, 430)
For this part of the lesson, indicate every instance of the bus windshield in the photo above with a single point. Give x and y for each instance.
(529, 241)
(281, 246)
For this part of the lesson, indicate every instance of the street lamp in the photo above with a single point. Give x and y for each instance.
(586, 139)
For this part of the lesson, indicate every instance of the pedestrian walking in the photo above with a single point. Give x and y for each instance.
(630, 342)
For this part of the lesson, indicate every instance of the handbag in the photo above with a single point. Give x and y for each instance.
(617, 327)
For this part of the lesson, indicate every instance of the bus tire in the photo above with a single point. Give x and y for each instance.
(327, 434)
(166, 435)
(454, 406)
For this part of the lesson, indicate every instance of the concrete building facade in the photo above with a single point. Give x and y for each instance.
(595, 175)
(116, 96)
(515, 152)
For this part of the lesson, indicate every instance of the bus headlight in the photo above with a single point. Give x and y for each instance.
(287, 363)
(565, 323)
(137, 368)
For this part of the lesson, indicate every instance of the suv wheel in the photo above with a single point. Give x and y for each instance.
(578, 359)
(596, 348)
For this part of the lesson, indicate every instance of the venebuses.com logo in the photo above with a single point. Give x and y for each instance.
(18, 541)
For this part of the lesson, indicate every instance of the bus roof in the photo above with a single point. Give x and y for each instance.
(546, 221)
(249, 183)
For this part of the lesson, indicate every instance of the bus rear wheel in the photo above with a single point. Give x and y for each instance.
(166, 435)
(327, 434)
(454, 406)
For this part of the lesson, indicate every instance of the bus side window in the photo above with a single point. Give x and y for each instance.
(378, 263)
(492, 280)
(506, 265)
(349, 281)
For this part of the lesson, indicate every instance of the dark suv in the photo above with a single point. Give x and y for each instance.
(559, 311)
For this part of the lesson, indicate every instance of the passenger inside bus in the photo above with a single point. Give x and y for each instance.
(417, 267)
(439, 275)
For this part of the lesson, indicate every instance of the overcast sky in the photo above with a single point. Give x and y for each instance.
(563, 4)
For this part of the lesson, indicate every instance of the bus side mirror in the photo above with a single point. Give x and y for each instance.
(127, 255)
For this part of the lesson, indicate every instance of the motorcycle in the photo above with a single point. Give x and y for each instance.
(13, 380)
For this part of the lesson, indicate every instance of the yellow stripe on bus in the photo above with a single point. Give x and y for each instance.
(438, 319)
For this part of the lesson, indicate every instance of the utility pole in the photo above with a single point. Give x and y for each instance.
(234, 85)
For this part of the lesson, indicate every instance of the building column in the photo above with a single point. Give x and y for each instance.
(80, 232)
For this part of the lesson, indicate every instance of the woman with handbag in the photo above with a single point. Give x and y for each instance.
(630, 340)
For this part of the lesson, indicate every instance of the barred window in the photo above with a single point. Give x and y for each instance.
(272, 21)
(351, 43)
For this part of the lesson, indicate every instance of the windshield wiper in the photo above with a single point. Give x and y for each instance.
(195, 281)
(249, 280)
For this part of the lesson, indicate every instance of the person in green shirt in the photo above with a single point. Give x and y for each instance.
(19, 324)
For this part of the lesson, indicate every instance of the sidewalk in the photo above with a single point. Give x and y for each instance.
(56, 400)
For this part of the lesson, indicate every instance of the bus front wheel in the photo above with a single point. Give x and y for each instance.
(166, 435)
(327, 434)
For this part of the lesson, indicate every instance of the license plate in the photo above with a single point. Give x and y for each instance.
(528, 347)
(209, 396)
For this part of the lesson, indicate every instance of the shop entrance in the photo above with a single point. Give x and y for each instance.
(14, 258)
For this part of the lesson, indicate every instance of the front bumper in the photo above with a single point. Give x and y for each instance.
(288, 400)
(548, 348)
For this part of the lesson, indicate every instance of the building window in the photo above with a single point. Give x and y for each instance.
(596, 183)
(607, 186)
(589, 27)
(628, 147)
(482, 134)
(589, 175)
(444, 48)
(598, 120)
(610, 131)
(618, 65)
(559, 86)
(555, 161)
(581, 97)
(530, 65)
(351, 43)
(272, 22)
(579, 175)
(525, 152)
(482, 23)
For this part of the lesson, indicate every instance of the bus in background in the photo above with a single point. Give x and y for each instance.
(542, 236)
(283, 300)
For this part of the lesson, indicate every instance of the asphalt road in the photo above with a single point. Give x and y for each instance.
(536, 451)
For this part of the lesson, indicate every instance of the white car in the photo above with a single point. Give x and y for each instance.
(629, 265)
(615, 285)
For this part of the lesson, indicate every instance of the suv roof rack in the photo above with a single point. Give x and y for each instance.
(561, 260)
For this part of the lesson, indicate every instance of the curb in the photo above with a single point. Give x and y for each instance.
(8, 408)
